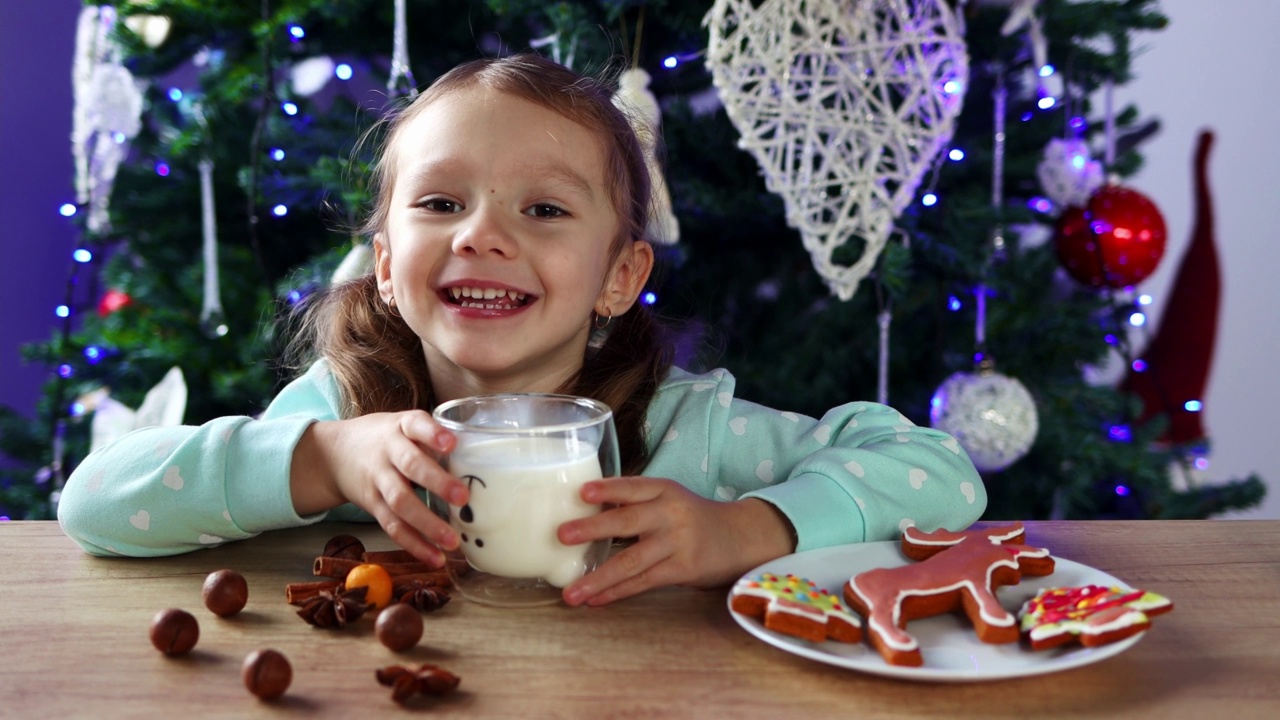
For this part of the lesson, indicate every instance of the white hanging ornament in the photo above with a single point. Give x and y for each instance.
(163, 406)
(311, 75)
(107, 112)
(991, 415)
(1067, 174)
(358, 262)
(844, 104)
(153, 29)
(212, 320)
(636, 100)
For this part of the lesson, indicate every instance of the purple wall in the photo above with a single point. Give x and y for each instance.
(37, 40)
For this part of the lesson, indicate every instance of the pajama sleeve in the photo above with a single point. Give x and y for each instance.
(169, 490)
(860, 473)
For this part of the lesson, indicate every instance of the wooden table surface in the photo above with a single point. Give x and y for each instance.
(74, 643)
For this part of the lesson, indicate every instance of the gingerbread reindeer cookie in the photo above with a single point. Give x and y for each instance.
(960, 571)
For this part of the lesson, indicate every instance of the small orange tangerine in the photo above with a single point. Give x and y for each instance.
(376, 578)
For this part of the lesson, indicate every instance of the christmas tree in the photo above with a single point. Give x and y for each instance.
(237, 131)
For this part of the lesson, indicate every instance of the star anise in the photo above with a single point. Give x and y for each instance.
(427, 679)
(335, 609)
(426, 598)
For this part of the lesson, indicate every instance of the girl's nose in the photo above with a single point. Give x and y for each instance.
(485, 233)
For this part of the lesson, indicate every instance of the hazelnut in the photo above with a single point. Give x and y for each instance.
(225, 592)
(344, 546)
(266, 673)
(399, 627)
(174, 631)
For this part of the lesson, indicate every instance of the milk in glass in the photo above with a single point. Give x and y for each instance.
(522, 490)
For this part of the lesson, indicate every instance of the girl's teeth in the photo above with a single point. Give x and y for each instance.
(457, 293)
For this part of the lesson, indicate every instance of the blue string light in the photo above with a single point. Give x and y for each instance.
(296, 33)
(1139, 365)
(67, 210)
(1137, 319)
(952, 87)
(175, 94)
(956, 154)
(65, 371)
(1192, 406)
(1046, 102)
(162, 169)
(343, 71)
(62, 311)
(1120, 433)
(81, 255)
(670, 62)
(1122, 490)
(277, 154)
(289, 108)
(954, 304)
(1046, 70)
(929, 200)
(280, 210)
(649, 298)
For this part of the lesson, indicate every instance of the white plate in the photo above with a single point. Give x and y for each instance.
(948, 644)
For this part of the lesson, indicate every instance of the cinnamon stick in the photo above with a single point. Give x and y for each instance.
(382, 557)
(435, 578)
(334, 567)
(300, 592)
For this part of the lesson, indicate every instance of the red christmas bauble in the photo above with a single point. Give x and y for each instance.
(113, 300)
(1117, 240)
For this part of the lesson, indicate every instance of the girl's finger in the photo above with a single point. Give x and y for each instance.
(409, 460)
(630, 570)
(405, 505)
(619, 522)
(406, 536)
(621, 490)
(419, 426)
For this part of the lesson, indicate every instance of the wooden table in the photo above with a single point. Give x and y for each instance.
(73, 642)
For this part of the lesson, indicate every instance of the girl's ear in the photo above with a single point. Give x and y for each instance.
(382, 267)
(630, 272)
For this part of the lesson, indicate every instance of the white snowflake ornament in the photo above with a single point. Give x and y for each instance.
(844, 104)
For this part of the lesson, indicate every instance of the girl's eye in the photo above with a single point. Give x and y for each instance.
(546, 210)
(440, 205)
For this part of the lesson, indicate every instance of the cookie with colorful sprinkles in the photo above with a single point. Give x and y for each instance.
(1091, 615)
(795, 606)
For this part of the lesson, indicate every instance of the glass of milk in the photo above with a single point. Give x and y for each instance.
(524, 457)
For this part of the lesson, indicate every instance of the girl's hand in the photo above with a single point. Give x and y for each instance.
(684, 539)
(374, 461)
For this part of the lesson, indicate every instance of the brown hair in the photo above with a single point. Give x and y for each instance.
(378, 361)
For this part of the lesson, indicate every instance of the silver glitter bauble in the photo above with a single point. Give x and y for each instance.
(991, 415)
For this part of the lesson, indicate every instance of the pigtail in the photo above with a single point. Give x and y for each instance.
(375, 357)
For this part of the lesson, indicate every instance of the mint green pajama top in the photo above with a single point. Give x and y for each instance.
(860, 473)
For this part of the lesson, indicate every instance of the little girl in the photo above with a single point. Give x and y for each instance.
(512, 199)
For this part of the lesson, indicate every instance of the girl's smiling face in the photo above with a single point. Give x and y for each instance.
(499, 242)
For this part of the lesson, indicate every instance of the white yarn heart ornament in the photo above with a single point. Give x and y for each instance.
(844, 104)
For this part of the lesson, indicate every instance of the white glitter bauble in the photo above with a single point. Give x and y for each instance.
(991, 415)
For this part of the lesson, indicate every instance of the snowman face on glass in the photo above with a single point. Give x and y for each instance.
(509, 526)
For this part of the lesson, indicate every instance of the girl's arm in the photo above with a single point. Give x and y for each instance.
(169, 490)
(860, 473)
